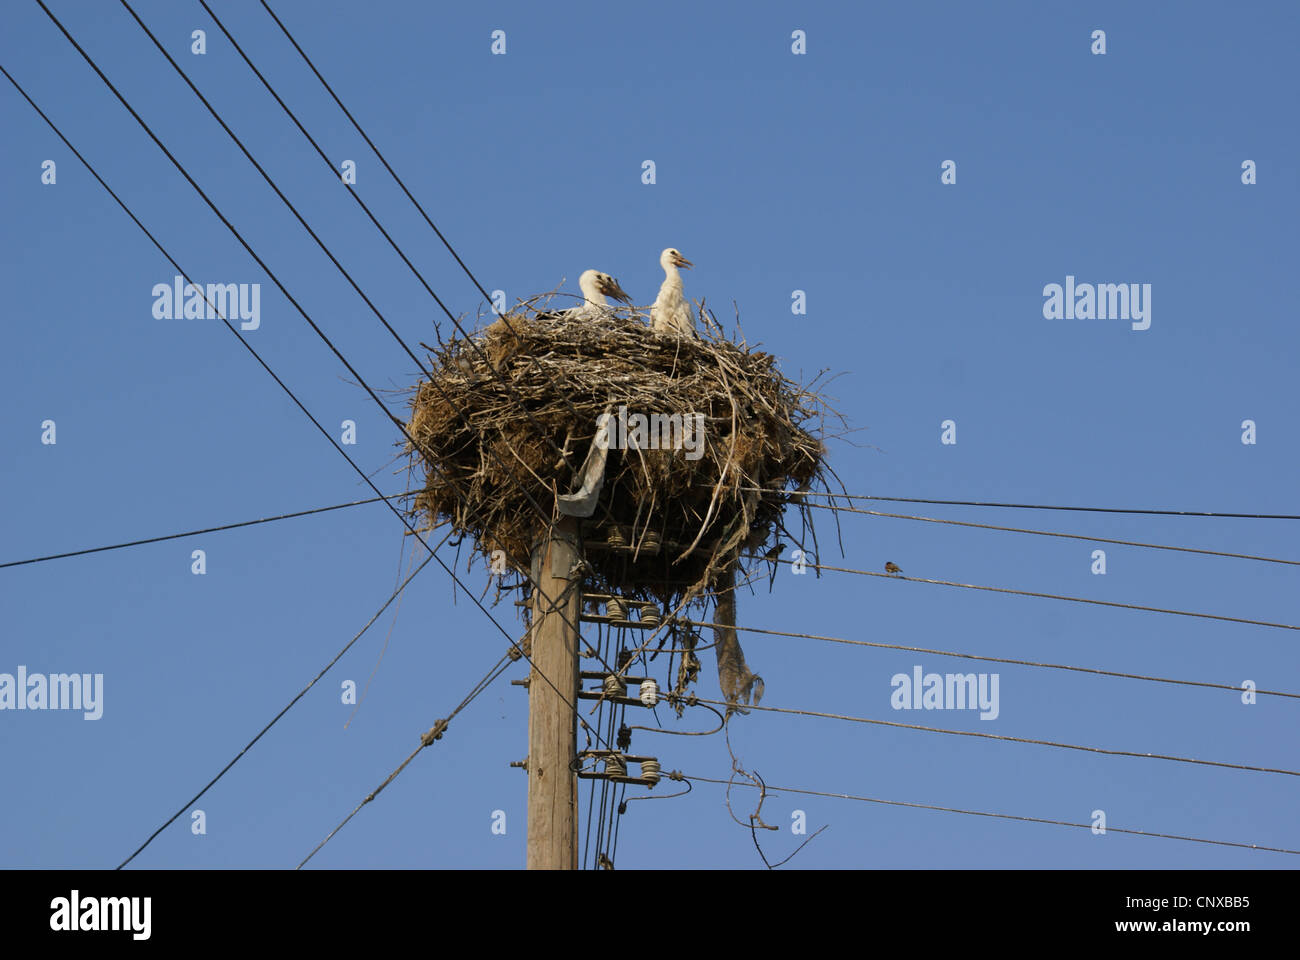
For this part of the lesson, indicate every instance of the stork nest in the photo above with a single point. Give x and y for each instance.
(489, 425)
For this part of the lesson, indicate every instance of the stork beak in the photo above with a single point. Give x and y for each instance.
(681, 261)
(615, 291)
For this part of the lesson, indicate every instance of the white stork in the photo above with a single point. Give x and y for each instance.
(671, 314)
(595, 286)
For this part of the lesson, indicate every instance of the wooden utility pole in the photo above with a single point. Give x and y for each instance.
(552, 729)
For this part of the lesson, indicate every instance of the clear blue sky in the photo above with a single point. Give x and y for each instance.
(775, 172)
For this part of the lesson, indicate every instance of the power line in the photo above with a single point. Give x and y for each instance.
(285, 200)
(793, 494)
(294, 210)
(1000, 736)
(432, 380)
(1048, 596)
(1051, 533)
(333, 259)
(301, 220)
(561, 392)
(901, 516)
(975, 656)
(382, 159)
(391, 242)
(553, 606)
(195, 533)
(434, 733)
(985, 813)
(213, 207)
(274, 720)
(172, 260)
(567, 386)
(274, 278)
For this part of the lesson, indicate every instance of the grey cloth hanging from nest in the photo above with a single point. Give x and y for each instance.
(583, 502)
(738, 682)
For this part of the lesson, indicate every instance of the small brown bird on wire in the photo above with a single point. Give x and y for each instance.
(892, 567)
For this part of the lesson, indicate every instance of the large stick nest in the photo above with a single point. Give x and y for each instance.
(489, 424)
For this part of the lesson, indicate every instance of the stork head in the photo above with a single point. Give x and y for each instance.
(595, 286)
(672, 257)
(610, 288)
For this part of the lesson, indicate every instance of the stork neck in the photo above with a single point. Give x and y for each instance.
(592, 295)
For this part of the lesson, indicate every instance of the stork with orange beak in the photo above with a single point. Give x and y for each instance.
(595, 287)
(671, 314)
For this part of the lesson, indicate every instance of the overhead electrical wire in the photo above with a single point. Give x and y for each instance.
(306, 226)
(1052, 533)
(274, 720)
(793, 494)
(170, 259)
(1047, 596)
(279, 193)
(395, 496)
(984, 813)
(365, 477)
(509, 471)
(434, 733)
(195, 533)
(567, 387)
(1011, 739)
(391, 242)
(382, 159)
(551, 604)
(261, 263)
(974, 656)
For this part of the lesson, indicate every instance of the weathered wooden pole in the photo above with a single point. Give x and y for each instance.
(552, 724)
